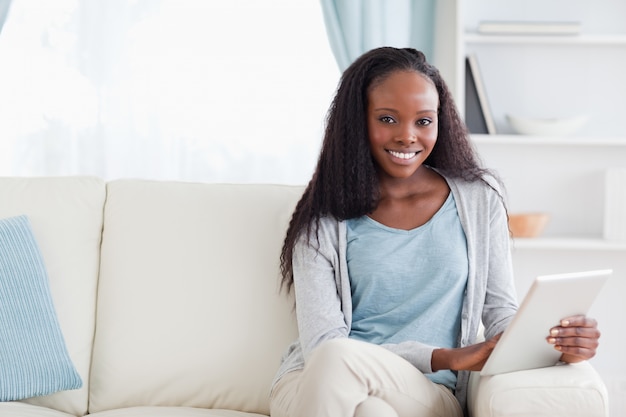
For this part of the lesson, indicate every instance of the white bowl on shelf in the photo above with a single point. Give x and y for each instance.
(547, 126)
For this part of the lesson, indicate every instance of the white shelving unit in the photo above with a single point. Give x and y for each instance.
(547, 76)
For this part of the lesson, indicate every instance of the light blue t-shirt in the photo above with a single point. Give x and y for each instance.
(409, 285)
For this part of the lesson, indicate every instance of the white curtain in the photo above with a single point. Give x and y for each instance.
(232, 91)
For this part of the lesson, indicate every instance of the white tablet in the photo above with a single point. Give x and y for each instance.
(523, 344)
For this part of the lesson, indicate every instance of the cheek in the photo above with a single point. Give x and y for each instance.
(430, 137)
(376, 135)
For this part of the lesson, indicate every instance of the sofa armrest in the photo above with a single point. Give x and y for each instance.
(564, 390)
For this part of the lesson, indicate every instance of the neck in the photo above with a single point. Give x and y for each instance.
(422, 180)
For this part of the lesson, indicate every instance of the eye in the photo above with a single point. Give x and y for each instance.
(387, 119)
(424, 122)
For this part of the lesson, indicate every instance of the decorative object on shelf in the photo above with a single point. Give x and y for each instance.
(478, 115)
(527, 224)
(615, 205)
(548, 126)
(528, 28)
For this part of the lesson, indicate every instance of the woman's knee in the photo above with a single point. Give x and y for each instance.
(375, 407)
(336, 364)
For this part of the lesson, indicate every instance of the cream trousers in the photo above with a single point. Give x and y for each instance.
(347, 378)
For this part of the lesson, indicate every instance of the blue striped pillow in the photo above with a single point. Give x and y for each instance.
(33, 357)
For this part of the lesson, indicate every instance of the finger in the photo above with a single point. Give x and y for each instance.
(573, 342)
(578, 321)
(587, 332)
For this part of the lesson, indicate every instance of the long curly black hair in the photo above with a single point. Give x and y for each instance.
(345, 183)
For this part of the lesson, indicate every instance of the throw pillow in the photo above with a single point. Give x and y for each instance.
(34, 359)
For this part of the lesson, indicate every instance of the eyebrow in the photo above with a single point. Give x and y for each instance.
(394, 110)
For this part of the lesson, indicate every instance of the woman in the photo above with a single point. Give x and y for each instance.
(397, 250)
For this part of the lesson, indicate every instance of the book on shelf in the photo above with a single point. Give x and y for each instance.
(478, 117)
(528, 28)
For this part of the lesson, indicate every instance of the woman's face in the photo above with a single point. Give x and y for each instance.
(402, 122)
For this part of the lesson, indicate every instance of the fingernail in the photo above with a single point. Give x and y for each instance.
(554, 332)
(565, 323)
(557, 347)
(551, 340)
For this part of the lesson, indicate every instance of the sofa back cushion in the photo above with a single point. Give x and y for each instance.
(189, 312)
(65, 215)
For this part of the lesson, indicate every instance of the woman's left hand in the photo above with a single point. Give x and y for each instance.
(576, 338)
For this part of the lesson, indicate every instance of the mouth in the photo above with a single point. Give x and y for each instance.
(403, 155)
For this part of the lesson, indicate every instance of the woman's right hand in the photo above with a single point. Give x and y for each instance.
(468, 358)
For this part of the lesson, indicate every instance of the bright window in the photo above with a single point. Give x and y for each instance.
(221, 91)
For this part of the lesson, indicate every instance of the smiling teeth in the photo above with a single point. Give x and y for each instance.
(403, 155)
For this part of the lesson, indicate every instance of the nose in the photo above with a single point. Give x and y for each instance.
(406, 134)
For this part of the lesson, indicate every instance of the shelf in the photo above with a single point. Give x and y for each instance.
(595, 244)
(547, 140)
(590, 40)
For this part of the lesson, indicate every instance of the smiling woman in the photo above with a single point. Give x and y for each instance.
(167, 89)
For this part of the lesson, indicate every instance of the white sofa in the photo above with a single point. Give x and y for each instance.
(167, 297)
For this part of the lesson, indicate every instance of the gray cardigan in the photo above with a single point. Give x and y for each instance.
(322, 286)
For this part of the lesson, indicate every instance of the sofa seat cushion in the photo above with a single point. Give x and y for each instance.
(565, 390)
(173, 412)
(20, 409)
